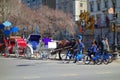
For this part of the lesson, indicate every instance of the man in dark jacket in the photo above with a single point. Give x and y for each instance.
(78, 50)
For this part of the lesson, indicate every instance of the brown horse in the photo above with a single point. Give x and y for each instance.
(61, 46)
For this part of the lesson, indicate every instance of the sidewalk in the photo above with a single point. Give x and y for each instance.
(117, 60)
(117, 55)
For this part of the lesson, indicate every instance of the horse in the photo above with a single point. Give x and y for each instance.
(63, 45)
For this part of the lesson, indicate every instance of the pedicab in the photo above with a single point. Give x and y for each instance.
(15, 45)
(33, 46)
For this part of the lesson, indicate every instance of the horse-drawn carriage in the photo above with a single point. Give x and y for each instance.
(15, 45)
(33, 46)
(37, 47)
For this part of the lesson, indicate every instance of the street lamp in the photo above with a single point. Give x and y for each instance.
(115, 31)
(82, 25)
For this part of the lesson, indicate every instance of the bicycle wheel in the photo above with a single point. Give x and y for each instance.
(110, 57)
(86, 59)
(99, 61)
(106, 61)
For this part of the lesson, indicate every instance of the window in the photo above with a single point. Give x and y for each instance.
(28, 1)
(81, 4)
(33, 0)
(91, 6)
(98, 5)
(106, 3)
(81, 11)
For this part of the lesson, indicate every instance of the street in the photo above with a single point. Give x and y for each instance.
(23, 69)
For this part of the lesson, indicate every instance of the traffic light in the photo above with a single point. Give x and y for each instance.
(112, 28)
(118, 15)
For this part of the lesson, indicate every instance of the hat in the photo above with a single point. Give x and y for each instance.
(80, 37)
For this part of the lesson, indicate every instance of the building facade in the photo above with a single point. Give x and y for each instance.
(99, 9)
(33, 3)
(104, 14)
(38, 3)
(74, 7)
(49, 3)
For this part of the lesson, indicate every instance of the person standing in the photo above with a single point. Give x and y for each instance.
(107, 45)
(103, 46)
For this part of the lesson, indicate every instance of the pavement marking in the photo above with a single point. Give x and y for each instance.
(32, 77)
(107, 72)
(72, 75)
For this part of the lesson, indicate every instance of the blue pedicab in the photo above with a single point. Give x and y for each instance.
(33, 46)
(79, 56)
(98, 58)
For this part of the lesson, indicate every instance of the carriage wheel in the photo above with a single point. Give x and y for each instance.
(28, 52)
(7, 54)
(52, 55)
(16, 52)
(43, 54)
(63, 56)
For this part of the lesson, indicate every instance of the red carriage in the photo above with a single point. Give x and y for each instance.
(15, 45)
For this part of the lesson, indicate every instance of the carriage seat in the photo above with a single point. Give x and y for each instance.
(34, 44)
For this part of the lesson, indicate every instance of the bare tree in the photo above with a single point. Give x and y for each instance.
(56, 20)
(48, 20)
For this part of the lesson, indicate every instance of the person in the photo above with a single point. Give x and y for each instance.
(79, 52)
(72, 51)
(74, 47)
(103, 46)
(81, 46)
(93, 49)
(107, 45)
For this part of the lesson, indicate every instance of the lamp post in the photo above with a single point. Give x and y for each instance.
(82, 25)
(115, 30)
(101, 29)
